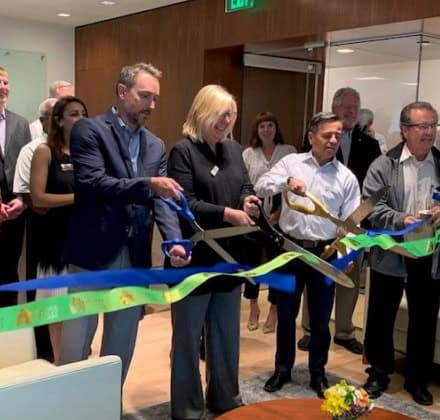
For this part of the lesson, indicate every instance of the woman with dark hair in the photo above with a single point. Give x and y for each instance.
(266, 148)
(52, 188)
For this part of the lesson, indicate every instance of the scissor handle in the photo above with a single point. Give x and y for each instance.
(182, 210)
(318, 209)
(188, 244)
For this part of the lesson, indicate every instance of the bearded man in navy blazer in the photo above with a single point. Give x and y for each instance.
(120, 173)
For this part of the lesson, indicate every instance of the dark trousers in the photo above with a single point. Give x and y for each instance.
(11, 244)
(320, 300)
(258, 254)
(384, 299)
(251, 291)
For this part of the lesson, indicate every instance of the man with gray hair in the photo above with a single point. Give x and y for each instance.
(412, 171)
(57, 90)
(356, 151)
(23, 166)
(120, 175)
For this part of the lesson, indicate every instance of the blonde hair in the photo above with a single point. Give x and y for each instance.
(3, 71)
(208, 105)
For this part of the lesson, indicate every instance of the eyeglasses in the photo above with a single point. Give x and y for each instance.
(423, 126)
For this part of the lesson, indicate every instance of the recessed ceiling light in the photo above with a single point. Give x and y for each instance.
(345, 51)
(409, 83)
(108, 3)
(64, 15)
(368, 78)
(425, 43)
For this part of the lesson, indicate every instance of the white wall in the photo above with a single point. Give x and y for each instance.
(386, 96)
(56, 42)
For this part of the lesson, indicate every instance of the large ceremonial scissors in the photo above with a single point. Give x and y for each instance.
(307, 257)
(210, 236)
(349, 225)
(207, 236)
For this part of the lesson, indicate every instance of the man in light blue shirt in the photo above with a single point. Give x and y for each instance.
(319, 172)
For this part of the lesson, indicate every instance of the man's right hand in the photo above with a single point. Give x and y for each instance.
(296, 185)
(3, 212)
(165, 187)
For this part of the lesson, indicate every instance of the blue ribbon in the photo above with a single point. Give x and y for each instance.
(142, 277)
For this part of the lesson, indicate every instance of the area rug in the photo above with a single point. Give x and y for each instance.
(252, 391)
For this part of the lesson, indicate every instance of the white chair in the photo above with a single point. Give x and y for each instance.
(35, 389)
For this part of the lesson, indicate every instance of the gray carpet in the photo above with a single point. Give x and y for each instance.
(252, 391)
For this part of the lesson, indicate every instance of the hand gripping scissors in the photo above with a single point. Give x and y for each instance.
(207, 236)
(349, 225)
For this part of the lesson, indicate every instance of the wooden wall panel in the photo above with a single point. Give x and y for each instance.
(175, 39)
(280, 92)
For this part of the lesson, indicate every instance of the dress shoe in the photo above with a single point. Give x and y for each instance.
(420, 394)
(319, 385)
(376, 384)
(304, 343)
(276, 381)
(350, 344)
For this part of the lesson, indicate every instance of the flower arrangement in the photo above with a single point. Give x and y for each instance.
(346, 402)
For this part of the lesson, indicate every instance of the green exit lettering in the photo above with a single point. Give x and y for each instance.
(234, 5)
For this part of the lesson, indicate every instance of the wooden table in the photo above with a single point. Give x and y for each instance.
(297, 409)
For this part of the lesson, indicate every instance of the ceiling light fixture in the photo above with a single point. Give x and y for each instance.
(63, 15)
(345, 51)
(424, 42)
(108, 3)
(368, 78)
(409, 83)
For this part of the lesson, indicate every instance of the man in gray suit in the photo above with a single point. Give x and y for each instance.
(14, 133)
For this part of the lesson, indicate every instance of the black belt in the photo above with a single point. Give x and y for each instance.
(312, 243)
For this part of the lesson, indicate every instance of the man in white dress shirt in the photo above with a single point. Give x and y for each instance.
(319, 172)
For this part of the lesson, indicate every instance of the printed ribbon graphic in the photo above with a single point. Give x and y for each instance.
(75, 305)
(418, 248)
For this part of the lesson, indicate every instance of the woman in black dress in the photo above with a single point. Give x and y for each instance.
(52, 188)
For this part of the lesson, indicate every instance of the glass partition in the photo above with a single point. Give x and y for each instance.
(389, 69)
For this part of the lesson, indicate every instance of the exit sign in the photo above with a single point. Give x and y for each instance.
(235, 5)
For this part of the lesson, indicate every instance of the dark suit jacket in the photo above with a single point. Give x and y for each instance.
(364, 149)
(17, 135)
(111, 202)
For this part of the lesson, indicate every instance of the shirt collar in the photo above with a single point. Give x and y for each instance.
(406, 154)
(309, 157)
(123, 125)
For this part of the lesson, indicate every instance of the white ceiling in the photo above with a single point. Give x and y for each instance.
(82, 12)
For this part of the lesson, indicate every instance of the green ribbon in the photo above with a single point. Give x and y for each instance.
(76, 305)
(418, 248)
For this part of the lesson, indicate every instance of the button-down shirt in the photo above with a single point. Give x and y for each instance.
(346, 145)
(257, 164)
(22, 175)
(132, 140)
(419, 180)
(333, 183)
(2, 131)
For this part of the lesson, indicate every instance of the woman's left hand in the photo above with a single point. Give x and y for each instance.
(177, 256)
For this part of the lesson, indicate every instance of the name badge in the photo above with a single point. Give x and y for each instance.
(66, 167)
(214, 170)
